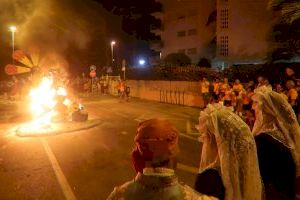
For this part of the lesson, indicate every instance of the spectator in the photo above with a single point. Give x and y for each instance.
(216, 86)
(229, 165)
(247, 104)
(154, 159)
(277, 136)
(292, 94)
(205, 90)
(224, 86)
(260, 81)
(237, 87)
(123, 92)
(279, 90)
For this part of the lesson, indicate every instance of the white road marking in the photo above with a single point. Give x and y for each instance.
(66, 189)
(187, 168)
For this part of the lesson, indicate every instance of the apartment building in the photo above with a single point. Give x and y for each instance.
(184, 28)
(240, 30)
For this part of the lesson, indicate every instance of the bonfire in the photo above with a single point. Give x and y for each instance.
(50, 106)
(47, 105)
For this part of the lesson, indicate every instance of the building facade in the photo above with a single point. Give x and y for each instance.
(237, 35)
(241, 30)
(184, 28)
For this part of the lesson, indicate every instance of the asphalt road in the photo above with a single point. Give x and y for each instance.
(88, 164)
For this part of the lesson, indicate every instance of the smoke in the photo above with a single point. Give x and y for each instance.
(53, 26)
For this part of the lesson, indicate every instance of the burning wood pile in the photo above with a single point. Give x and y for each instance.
(50, 104)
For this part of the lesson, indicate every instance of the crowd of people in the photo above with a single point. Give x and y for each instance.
(239, 96)
(17, 88)
(237, 163)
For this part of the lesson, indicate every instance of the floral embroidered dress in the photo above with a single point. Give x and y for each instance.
(156, 184)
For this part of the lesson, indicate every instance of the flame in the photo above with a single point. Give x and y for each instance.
(67, 102)
(42, 98)
(43, 101)
(62, 91)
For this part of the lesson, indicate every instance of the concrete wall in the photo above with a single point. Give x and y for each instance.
(173, 92)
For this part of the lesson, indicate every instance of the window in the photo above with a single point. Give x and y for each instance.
(224, 18)
(224, 49)
(192, 51)
(181, 34)
(192, 32)
(181, 51)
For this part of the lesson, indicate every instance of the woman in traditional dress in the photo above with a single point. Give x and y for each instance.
(229, 166)
(277, 136)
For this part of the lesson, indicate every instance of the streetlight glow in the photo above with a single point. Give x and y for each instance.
(13, 28)
(142, 62)
(112, 43)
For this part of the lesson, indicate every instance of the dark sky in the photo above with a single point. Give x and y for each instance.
(78, 32)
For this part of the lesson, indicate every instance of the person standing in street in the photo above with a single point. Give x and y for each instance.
(205, 90)
(154, 159)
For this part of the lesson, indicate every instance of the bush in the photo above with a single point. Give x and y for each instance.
(204, 62)
(177, 59)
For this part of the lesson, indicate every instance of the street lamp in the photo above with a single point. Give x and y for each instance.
(112, 44)
(13, 29)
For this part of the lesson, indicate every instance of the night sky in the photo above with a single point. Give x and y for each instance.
(79, 31)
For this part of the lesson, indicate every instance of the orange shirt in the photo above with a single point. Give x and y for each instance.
(237, 87)
(228, 94)
(292, 94)
(216, 87)
(224, 87)
(247, 97)
(204, 87)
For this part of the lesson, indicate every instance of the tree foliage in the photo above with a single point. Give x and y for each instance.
(177, 59)
(137, 18)
(285, 33)
(204, 62)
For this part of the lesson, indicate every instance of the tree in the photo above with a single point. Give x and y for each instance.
(285, 34)
(204, 62)
(177, 59)
(289, 9)
(137, 19)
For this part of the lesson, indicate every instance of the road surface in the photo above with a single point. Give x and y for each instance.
(88, 164)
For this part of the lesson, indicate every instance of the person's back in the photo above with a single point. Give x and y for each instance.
(154, 160)
(161, 185)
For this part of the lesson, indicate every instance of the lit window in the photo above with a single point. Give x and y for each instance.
(181, 34)
(224, 48)
(224, 18)
(192, 51)
(192, 32)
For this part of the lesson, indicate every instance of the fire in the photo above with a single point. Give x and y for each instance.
(42, 98)
(46, 103)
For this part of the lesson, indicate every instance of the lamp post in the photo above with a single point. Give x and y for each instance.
(112, 44)
(13, 29)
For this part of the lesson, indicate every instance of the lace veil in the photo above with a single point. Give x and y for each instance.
(229, 146)
(275, 116)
